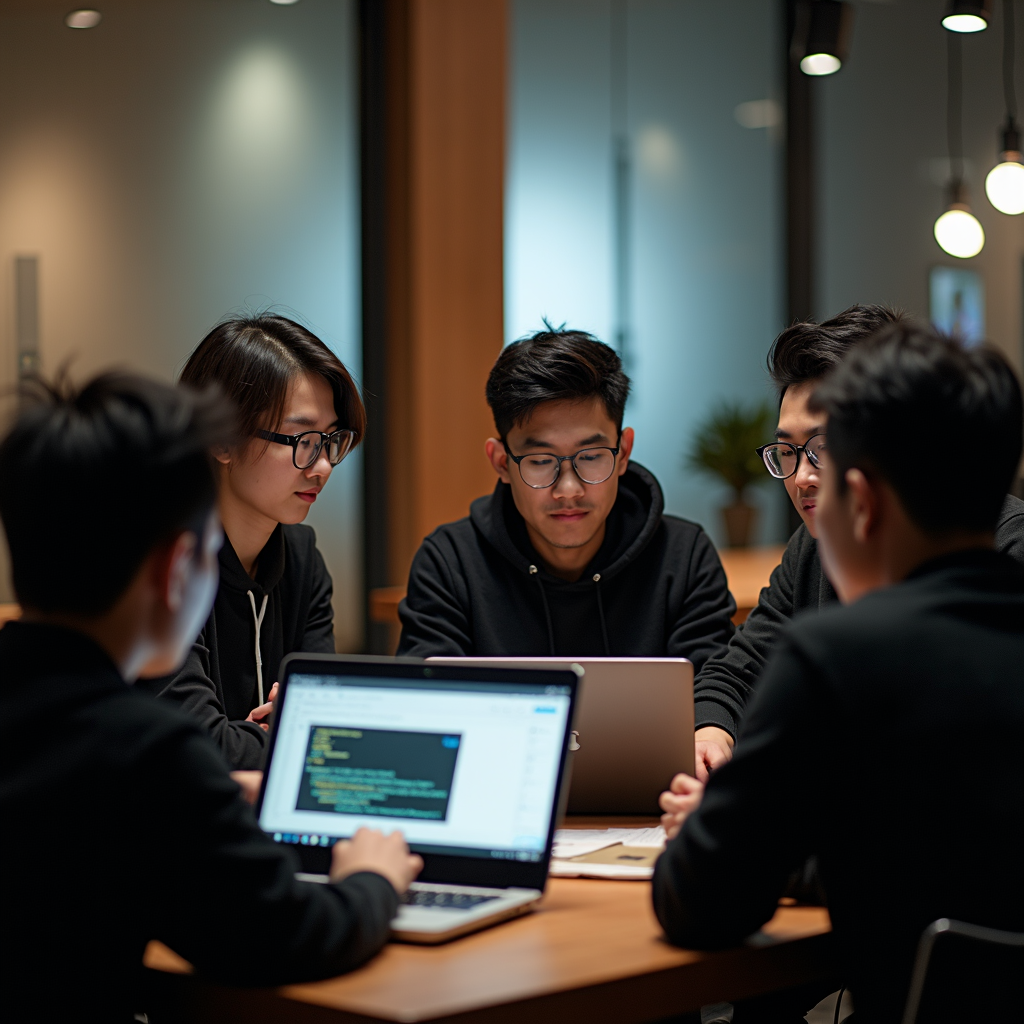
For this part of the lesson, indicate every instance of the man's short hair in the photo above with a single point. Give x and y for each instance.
(806, 351)
(93, 478)
(941, 423)
(555, 366)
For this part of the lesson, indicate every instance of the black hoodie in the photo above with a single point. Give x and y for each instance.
(121, 825)
(217, 685)
(656, 587)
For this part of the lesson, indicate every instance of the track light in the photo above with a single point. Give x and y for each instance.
(1005, 182)
(822, 36)
(967, 16)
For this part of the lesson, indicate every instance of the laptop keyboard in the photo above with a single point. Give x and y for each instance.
(443, 898)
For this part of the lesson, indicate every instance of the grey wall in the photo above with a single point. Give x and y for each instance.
(182, 161)
(704, 195)
(882, 129)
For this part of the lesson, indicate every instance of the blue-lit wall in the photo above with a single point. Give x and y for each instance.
(184, 160)
(704, 210)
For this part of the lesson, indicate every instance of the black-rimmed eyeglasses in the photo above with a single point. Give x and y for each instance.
(783, 457)
(542, 469)
(307, 446)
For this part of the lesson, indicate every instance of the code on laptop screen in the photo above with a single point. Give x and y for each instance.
(463, 768)
(378, 771)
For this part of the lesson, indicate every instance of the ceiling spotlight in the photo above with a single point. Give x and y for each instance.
(821, 35)
(83, 19)
(284, 3)
(967, 16)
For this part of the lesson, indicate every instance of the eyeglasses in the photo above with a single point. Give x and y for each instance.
(306, 447)
(542, 469)
(782, 458)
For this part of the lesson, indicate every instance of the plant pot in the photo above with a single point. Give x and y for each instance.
(740, 520)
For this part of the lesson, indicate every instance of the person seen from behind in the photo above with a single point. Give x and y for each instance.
(122, 823)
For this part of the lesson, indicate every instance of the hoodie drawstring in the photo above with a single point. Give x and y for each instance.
(547, 610)
(258, 619)
(600, 615)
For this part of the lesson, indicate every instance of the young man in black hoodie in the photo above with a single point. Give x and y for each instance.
(120, 821)
(852, 746)
(797, 362)
(572, 553)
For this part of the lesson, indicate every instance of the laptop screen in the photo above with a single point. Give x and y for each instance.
(463, 768)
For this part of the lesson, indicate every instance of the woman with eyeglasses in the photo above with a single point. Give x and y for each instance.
(299, 415)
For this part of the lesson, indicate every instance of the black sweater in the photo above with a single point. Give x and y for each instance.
(217, 683)
(121, 825)
(655, 588)
(886, 737)
(725, 684)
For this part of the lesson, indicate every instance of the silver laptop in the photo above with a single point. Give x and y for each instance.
(635, 729)
(466, 761)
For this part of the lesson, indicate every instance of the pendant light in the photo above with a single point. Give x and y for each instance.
(964, 16)
(1005, 182)
(957, 231)
(822, 36)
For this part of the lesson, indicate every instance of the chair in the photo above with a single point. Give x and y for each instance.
(966, 972)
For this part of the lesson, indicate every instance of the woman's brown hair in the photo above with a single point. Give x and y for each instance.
(253, 360)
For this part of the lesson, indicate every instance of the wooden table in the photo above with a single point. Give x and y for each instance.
(593, 951)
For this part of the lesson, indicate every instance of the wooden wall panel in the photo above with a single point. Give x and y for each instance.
(446, 171)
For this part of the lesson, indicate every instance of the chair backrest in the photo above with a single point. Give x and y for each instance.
(965, 972)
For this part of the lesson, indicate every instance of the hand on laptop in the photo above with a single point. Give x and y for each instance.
(370, 850)
(258, 714)
(714, 748)
(682, 798)
(250, 783)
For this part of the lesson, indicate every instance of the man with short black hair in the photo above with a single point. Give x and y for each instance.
(799, 359)
(852, 747)
(572, 553)
(121, 823)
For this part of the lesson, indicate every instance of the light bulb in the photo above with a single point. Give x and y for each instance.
(1004, 186)
(959, 233)
(964, 23)
(820, 64)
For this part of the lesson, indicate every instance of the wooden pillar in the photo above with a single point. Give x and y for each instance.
(433, 171)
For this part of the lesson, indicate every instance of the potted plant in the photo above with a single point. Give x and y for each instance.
(725, 446)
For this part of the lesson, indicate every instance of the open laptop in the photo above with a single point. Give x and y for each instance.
(635, 729)
(467, 761)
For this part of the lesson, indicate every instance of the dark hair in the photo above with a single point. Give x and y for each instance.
(917, 408)
(253, 360)
(555, 365)
(92, 479)
(806, 350)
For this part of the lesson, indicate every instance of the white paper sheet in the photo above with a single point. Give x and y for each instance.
(576, 842)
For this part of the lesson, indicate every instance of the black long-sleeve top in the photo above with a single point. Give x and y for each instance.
(217, 684)
(887, 738)
(725, 684)
(122, 825)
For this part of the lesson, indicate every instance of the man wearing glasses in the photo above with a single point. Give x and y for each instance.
(572, 553)
(798, 360)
